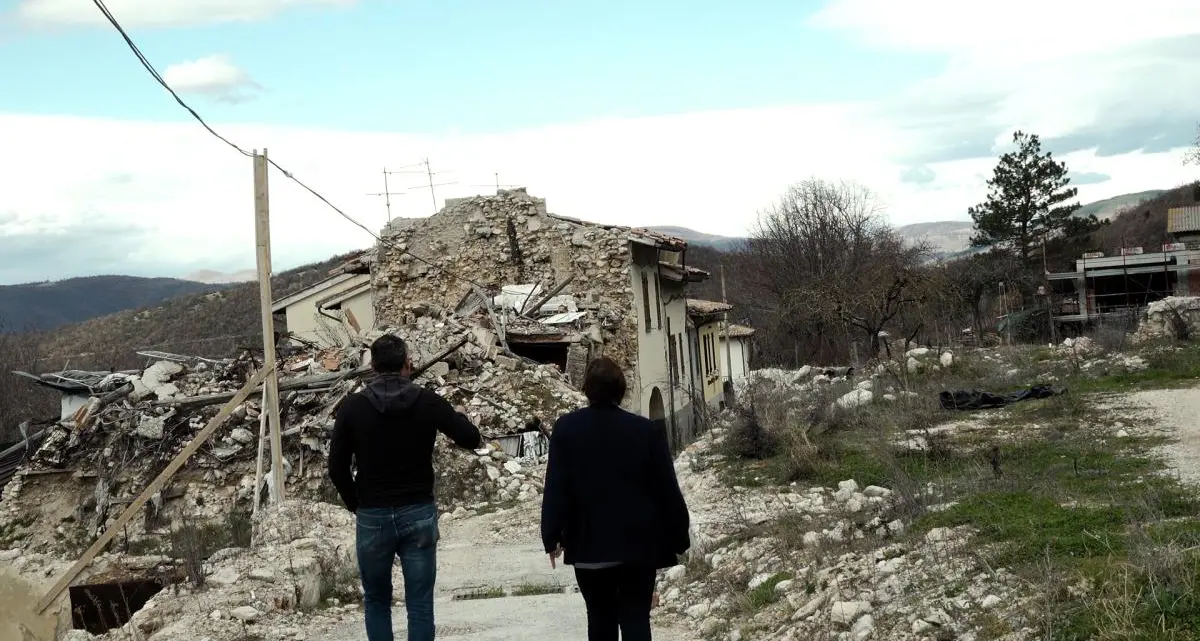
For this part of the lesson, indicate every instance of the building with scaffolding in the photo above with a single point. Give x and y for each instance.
(1118, 288)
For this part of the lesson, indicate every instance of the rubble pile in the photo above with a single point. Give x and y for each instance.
(1175, 317)
(826, 563)
(532, 246)
(848, 389)
(135, 424)
(1091, 358)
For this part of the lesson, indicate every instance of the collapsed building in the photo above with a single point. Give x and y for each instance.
(502, 304)
(544, 287)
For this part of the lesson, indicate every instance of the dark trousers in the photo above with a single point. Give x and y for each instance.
(617, 598)
(412, 534)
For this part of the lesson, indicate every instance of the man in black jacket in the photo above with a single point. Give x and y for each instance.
(613, 506)
(387, 432)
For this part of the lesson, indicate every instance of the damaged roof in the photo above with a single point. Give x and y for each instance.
(740, 331)
(697, 307)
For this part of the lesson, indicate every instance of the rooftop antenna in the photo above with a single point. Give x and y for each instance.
(429, 173)
(387, 194)
(498, 185)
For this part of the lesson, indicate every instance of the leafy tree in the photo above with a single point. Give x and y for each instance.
(1027, 200)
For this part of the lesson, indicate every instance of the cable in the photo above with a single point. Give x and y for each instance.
(289, 175)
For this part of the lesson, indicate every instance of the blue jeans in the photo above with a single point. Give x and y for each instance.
(410, 532)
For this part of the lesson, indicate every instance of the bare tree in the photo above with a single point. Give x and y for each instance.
(1193, 155)
(832, 268)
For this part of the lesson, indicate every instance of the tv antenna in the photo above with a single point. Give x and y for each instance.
(429, 174)
(497, 185)
(386, 193)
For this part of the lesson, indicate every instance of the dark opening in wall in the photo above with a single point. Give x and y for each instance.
(545, 353)
(101, 607)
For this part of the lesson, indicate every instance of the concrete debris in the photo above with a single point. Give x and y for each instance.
(1174, 317)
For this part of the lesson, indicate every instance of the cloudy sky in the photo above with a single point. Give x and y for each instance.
(623, 111)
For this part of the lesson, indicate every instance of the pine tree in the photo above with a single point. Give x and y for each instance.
(1025, 201)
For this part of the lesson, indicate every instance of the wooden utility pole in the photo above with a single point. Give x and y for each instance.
(262, 234)
(728, 345)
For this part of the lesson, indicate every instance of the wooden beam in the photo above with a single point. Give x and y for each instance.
(157, 484)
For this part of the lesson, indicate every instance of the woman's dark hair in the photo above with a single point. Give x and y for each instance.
(604, 382)
(389, 354)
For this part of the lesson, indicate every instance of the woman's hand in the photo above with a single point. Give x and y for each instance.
(554, 556)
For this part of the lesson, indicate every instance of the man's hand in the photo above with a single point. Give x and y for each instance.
(554, 557)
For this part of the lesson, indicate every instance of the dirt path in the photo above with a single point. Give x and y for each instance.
(1177, 414)
(18, 601)
(495, 551)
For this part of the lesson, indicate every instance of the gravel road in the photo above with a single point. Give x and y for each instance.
(1177, 412)
(495, 551)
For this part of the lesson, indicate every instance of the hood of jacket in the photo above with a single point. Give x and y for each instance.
(391, 393)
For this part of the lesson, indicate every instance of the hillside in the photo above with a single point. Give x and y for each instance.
(204, 324)
(44, 306)
(1110, 207)
(723, 243)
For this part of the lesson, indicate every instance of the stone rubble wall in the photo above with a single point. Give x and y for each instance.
(1160, 319)
(508, 239)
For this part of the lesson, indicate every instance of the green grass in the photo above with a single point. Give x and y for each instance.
(536, 589)
(1168, 367)
(481, 593)
(763, 595)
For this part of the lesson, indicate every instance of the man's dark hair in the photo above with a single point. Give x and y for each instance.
(604, 382)
(389, 353)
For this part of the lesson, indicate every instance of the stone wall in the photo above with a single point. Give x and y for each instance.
(507, 239)
(1169, 317)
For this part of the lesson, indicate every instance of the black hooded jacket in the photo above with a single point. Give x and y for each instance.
(387, 432)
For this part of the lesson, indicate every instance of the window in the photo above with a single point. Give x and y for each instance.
(657, 304)
(646, 301)
(682, 357)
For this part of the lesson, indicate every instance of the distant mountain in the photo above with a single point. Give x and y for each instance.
(1111, 207)
(47, 305)
(951, 237)
(211, 277)
(944, 237)
(723, 243)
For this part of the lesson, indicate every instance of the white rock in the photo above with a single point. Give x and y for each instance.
(493, 473)
(810, 608)
(917, 352)
(847, 612)
(783, 586)
(913, 365)
(216, 615)
(874, 491)
(812, 539)
(10, 555)
(676, 573)
(990, 601)
(243, 436)
(246, 613)
(855, 398)
(863, 627)
(759, 579)
(512, 467)
(262, 574)
(947, 359)
(224, 577)
(698, 611)
(939, 534)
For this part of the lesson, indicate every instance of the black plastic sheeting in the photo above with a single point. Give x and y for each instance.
(977, 400)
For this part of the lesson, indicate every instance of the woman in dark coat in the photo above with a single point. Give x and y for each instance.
(612, 506)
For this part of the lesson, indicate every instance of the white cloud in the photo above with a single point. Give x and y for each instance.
(215, 76)
(159, 13)
(189, 197)
(1120, 75)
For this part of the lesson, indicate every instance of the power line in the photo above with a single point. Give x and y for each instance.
(159, 79)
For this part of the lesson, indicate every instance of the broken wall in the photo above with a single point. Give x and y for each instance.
(508, 239)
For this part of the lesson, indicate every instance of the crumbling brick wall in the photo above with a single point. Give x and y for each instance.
(508, 239)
